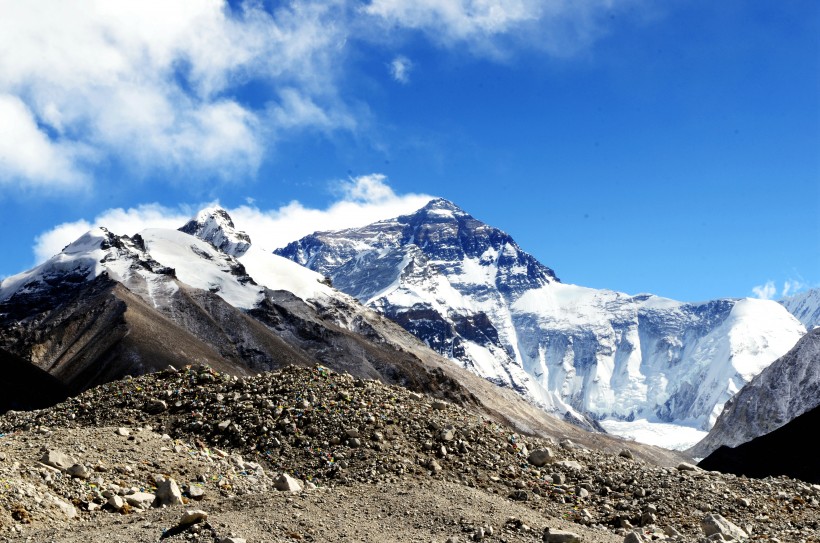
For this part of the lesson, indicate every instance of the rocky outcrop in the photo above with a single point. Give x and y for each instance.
(790, 450)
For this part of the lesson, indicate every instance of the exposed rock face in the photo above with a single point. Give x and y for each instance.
(805, 306)
(790, 450)
(215, 226)
(783, 391)
(469, 292)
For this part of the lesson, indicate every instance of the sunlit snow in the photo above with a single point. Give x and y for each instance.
(660, 434)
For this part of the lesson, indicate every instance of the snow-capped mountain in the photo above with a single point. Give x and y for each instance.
(109, 306)
(470, 292)
(782, 392)
(805, 306)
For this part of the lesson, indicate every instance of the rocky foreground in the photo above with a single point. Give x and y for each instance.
(313, 455)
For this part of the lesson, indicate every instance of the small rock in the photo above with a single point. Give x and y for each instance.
(193, 516)
(68, 510)
(552, 535)
(685, 466)
(57, 459)
(438, 405)
(125, 432)
(155, 406)
(196, 492)
(519, 495)
(571, 464)
(140, 499)
(232, 540)
(286, 483)
(168, 493)
(716, 524)
(116, 502)
(626, 453)
(80, 471)
(541, 457)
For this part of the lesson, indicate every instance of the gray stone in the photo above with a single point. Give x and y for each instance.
(232, 540)
(125, 432)
(196, 492)
(286, 483)
(571, 464)
(716, 524)
(541, 457)
(68, 510)
(168, 493)
(57, 459)
(155, 406)
(116, 502)
(685, 466)
(552, 535)
(626, 453)
(193, 516)
(438, 405)
(140, 499)
(80, 471)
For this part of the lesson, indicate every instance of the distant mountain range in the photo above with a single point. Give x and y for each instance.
(109, 306)
(472, 294)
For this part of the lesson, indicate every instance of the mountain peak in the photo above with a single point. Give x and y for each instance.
(442, 208)
(214, 225)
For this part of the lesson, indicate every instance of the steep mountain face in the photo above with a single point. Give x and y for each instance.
(789, 450)
(469, 292)
(214, 225)
(780, 393)
(805, 306)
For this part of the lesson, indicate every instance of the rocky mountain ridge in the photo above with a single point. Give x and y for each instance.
(472, 294)
(805, 306)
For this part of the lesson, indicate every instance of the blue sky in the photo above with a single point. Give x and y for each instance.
(665, 147)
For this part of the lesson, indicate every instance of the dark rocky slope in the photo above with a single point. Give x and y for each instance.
(791, 450)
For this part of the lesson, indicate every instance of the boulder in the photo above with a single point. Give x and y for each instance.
(286, 483)
(168, 493)
(716, 524)
(541, 457)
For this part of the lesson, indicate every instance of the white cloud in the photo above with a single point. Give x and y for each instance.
(157, 85)
(766, 291)
(400, 69)
(495, 27)
(28, 154)
(791, 287)
(362, 200)
(120, 221)
(150, 82)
